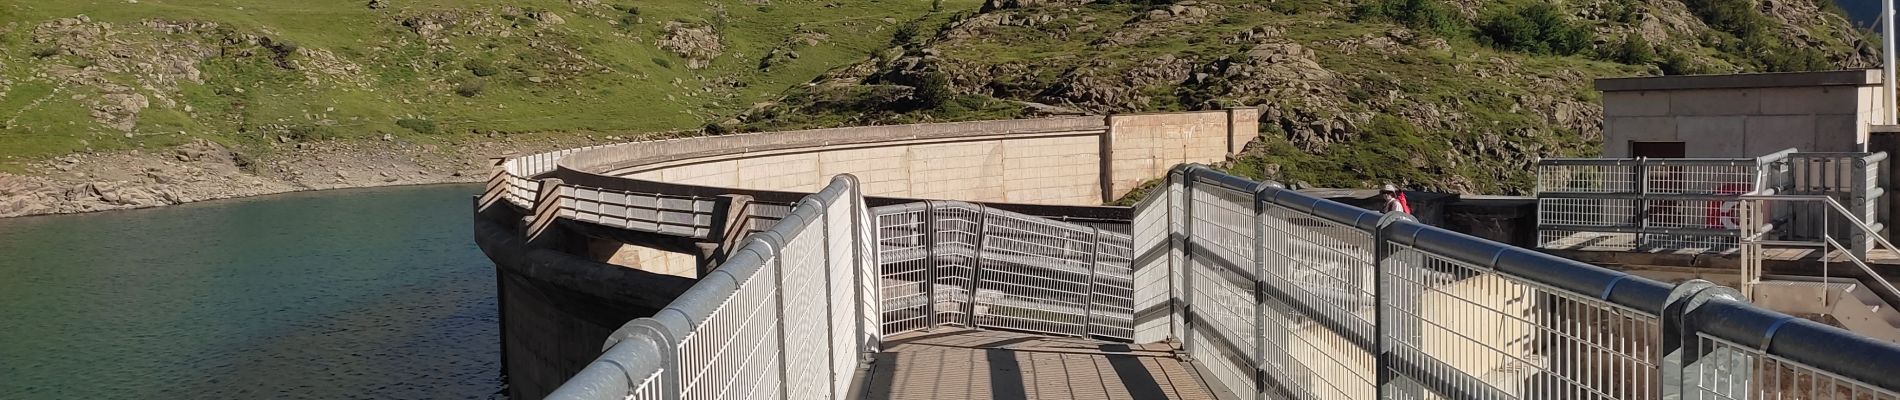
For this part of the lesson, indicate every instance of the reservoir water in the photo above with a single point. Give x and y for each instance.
(365, 293)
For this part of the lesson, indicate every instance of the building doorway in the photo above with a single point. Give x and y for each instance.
(1658, 149)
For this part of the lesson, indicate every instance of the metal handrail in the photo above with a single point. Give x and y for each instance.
(1891, 292)
(1246, 296)
(1832, 203)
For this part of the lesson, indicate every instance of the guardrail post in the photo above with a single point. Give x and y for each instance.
(1381, 326)
(927, 230)
(1088, 289)
(547, 208)
(497, 186)
(1857, 202)
(1174, 299)
(1187, 263)
(731, 218)
(1679, 342)
(825, 237)
(1259, 293)
(779, 320)
(1640, 178)
(860, 261)
(976, 262)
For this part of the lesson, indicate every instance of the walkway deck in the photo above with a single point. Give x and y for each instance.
(954, 363)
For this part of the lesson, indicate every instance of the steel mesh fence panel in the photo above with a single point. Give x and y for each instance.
(1151, 275)
(869, 283)
(1734, 372)
(1316, 269)
(1588, 212)
(839, 273)
(1585, 178)
(1033, 276)
(1576, 239)
(1501, 337)
(1725, 177)
(734, 353)
(806, 319)
(953, 262)
(1112, 291)
(903, 269)
(1177, 260)
(650, 388)
(1221, 284)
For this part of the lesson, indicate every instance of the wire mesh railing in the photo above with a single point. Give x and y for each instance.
(1690, 204)
(1290, 296)
(1273, 293)
(781, 318)
(963, 264)
(1648, 204)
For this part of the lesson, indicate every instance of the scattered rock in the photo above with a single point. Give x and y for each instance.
(547, 17)
(699, 44)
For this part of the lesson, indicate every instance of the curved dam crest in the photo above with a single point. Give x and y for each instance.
(586, 239)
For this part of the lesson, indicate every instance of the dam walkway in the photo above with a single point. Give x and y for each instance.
(961, 363)
(1224, 288)
(1211, 286)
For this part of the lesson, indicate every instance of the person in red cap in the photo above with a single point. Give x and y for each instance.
(1394, 199)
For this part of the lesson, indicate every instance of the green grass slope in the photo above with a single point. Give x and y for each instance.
(99, 75)
(1452, 95)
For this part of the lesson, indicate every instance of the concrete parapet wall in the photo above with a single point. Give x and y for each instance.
(1057, 161)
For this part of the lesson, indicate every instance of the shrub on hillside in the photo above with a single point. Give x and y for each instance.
(1539, 28)
(904, 34)
(1753, 37)
(421, 126)
(933, 91)
(1424, 15)
(470, 87)
(1633, 51)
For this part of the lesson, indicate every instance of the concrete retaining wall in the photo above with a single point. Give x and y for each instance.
(1058, 161)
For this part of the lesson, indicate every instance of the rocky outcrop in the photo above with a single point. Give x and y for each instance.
(698, 44)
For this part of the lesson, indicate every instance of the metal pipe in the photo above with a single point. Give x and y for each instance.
(1886, 66)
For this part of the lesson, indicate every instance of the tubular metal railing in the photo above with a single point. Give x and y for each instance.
(1283, 295)
(957, 263)
(1760, 230)
(786, 316)
(1270, 292)
(1646, 204)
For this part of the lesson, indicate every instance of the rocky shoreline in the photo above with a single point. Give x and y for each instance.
(205, 170)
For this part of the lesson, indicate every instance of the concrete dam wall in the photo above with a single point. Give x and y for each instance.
(565, 279)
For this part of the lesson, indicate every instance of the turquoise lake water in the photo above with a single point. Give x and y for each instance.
(365, 293)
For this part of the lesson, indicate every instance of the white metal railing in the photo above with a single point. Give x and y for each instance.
(783, 317)
(1760, 229)
(1283, 295)
(1689, 204)
(1274, 293)
(956, 263)
(1646, 203)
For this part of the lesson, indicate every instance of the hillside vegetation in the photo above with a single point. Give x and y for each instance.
(264, 75)
(1449, 95)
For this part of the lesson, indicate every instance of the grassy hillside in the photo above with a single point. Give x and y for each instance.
(98, 75)
(1452, 95)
